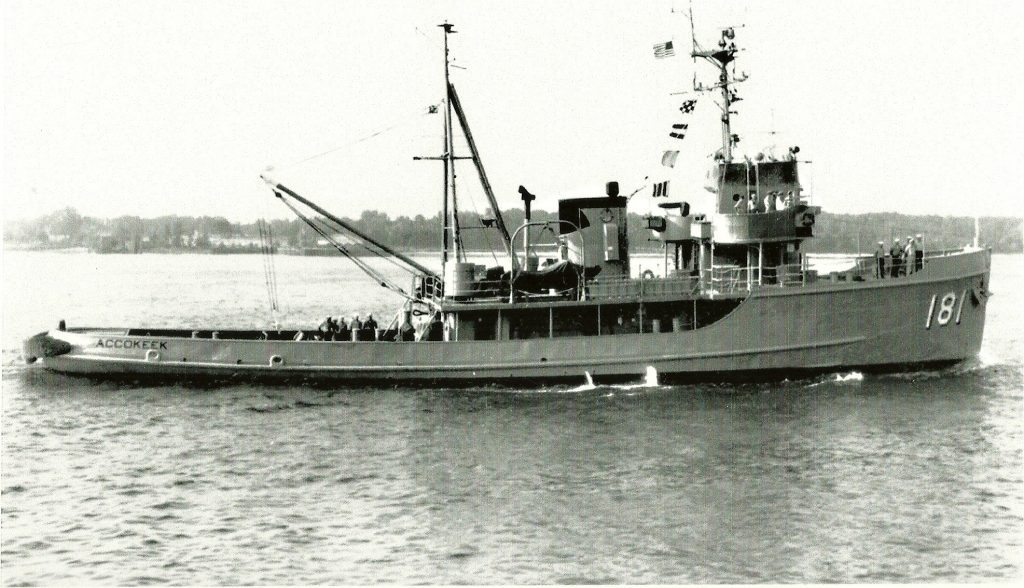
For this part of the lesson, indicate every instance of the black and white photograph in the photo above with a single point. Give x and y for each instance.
(335, 292)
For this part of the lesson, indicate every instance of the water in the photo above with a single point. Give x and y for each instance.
(842, 478)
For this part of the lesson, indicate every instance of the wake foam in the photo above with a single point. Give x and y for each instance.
(850, 377)
(841, 378)
(650, 381)
(589, 385)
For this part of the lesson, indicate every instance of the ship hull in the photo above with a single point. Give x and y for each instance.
(930, 319)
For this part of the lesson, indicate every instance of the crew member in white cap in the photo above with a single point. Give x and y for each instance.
(896, 255)
(909, 253)
(881, 256)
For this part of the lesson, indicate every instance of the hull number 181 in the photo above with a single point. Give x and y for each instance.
(941, 310)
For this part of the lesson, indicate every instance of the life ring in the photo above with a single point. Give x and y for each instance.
(276, 361)
(152, 355)
(647, 275)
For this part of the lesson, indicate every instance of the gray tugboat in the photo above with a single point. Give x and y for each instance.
(738, 298)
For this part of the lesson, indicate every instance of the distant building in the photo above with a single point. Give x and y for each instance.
(234, 242)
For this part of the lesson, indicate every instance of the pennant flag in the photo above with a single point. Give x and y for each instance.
(432, 109)
(668, 159)
(660, 190)
(663, 50)
(687, 108)
(679, 130)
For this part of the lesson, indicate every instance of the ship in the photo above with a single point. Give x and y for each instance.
(739, 298)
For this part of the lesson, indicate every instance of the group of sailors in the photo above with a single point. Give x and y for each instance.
(771, 202)
(339, 330)
(901, 259)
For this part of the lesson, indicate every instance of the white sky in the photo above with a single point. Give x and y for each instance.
(150, 108)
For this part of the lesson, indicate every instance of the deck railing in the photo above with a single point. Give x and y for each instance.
(626, 287)
(711, 282)
(729, 280)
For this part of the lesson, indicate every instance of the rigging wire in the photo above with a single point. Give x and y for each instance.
(360, 140)
(429, 40)
(263, 260)
(327, 224)
(269, 265)
(269, 273)
(430, 110)
(362, 265)
(484, 230)
(273, 265)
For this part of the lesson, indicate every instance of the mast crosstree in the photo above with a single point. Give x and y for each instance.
(721, 57)
(451, 238)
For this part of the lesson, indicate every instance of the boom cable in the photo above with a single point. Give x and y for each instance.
(269, 266)
(362, 265)
(430, 110)
(273, 266)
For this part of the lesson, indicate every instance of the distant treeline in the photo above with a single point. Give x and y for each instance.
(836, 233)
(67, 228)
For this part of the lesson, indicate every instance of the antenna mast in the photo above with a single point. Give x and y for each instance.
(721, 58)
(450, 222)
(451, 234)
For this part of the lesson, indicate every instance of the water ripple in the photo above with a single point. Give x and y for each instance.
(842, 478)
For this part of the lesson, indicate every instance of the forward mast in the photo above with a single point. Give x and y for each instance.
(451, 239)
(720, 58)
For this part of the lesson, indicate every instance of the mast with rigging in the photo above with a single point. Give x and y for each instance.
(451, 220)
(451, 238)
(721, 58)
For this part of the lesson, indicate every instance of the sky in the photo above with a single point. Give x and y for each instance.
(150, 108)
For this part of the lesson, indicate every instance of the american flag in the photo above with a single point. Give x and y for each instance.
(663, 50)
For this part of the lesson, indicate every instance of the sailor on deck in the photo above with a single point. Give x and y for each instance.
(356, 326)
(752, 203)
(343, 333)
(909, 255)
(740, 207)
(370, 328)
(324, 330)
(435, 329)
(918, 253)
(407, 332)
(881, 256)
(896, 254)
